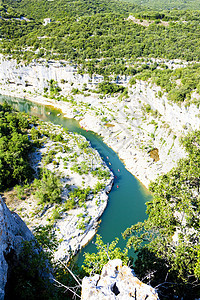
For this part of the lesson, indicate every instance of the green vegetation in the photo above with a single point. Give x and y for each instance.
(61, 8)
(173, 5)
(101, 173)
(103, 42)
(33, 273)
(48, 187)
(81, 168)
(80, 195)
(54, 89)
(179, 83)
(94, 262)
(168, 241)
(15, 147)
(109, 88)
(100, 40)
(29, 275)
(46, 237)
(98, 187)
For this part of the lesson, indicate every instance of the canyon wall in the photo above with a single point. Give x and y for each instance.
(179, 117)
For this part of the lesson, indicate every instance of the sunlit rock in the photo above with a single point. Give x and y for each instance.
(116, 282)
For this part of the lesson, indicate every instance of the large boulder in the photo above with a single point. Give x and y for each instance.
(116, 282)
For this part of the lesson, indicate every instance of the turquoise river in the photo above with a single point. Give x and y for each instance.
(126, 205)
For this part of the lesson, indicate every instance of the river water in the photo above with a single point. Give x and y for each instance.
(126, 205)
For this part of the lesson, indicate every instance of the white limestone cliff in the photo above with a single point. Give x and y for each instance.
(177, 116)
(116, 282)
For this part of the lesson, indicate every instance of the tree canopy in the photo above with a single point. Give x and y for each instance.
(14, 148)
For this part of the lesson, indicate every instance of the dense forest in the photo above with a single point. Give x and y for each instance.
(101, 39)
(168, 4)
(100, 35)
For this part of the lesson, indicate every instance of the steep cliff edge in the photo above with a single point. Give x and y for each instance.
(116, 282)
(13, 232)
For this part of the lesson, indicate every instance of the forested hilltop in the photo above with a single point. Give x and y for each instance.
(157, 43)
(168, 4)
(103, 34)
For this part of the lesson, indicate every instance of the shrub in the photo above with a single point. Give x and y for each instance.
(48, 188)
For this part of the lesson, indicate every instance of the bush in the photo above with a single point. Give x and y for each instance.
(94, 262)
(109, 88)
(69, 204)
(48, 188)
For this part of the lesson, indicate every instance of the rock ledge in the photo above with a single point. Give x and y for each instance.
(116, 282)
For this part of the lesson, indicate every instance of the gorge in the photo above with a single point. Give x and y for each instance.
(132, 133)
(117, 84)
(144, 129)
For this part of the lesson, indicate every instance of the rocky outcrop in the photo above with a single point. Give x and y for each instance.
(36, 75)
(116, 282)
(13, 231)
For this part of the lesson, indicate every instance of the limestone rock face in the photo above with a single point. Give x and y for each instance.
(116, 282)
(38, 74)
(176, 116)
(12, 232)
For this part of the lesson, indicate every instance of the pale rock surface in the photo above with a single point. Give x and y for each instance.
(12, 232)
(116, 282)
(178, 117)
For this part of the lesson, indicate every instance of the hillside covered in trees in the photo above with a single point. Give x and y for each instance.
(168, 4)
(101, 33)
(171, 232)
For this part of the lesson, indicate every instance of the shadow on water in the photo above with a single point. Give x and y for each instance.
(126, 205)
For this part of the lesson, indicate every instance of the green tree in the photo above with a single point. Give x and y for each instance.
(94, 262)
(48, 187)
